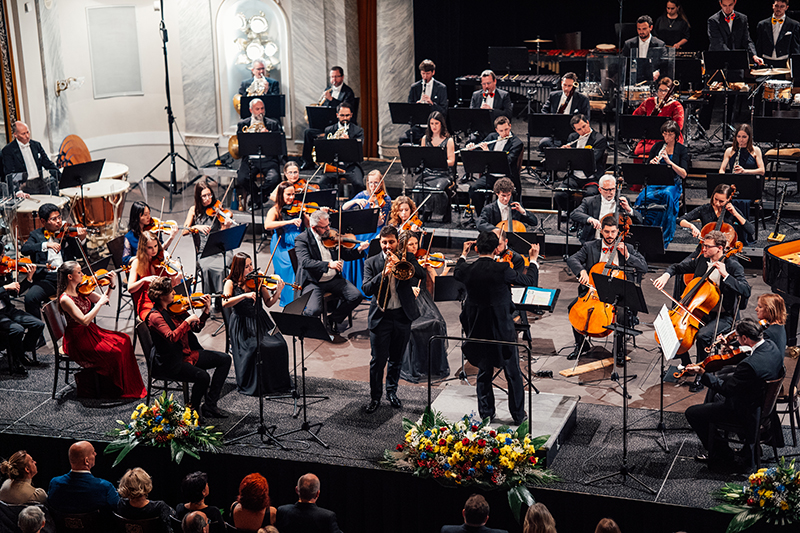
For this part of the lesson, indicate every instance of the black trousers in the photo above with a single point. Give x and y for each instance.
(701, 416)
(272, 177)
(516, 390)
(38, 293)
(21, 329)
(348, 295)
(388, 342)
(205, 385)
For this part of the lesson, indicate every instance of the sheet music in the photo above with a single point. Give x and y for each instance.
(667, 337)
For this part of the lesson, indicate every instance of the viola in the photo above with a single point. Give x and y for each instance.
(269, 281)
(334, 239)
(181, 304)
(9, 265)
(223, 215)
(101, 278)
(300, 185)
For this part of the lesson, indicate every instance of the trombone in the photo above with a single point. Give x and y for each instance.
(401, 270)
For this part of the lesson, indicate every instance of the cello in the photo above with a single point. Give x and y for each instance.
(720, 225)
(589, 316)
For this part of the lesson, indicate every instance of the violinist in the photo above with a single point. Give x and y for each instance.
(742, 156)
(675, 155)
(267, 166)
(178, 354)
(139, 221)
(438, 179)
(109, 353)
(506, 254)
(667, 104)
(400, 215)
(148, 265)
(320, 271)
(594, 208)
(287, 227)
(391, 313)
(601, 251)
(245, 306)
(45, 246)
(583, 137)
(738, 398)
(203, 219)
(709, 214)
(771, 313)
(374, 196)
(22, 329)
(504, 208)
(728, 279)
(291, 173)
(505, 141)
(430, 322)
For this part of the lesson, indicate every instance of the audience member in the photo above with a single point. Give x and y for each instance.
(17, 489)
(195, 490)
(476, 514)
(539, 520)
(78, 491)
(268, 529)
(251, 510)
(134, 488)
(606, 525)
(304, 516)
(195, 522)
(31, 519)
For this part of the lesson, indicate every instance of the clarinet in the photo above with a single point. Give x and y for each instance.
(736, 161)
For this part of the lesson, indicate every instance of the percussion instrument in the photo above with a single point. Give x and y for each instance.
(114, 171)
(777, 91)
(100, 203)
(635, 93)
(770, 72)
(28, 216)
(592, 89)
(605, 47)
(538, 41)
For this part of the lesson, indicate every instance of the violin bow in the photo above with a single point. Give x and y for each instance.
(339, 237)
(380, 183)
(186, 288)
(89, 265)
(266, 270)
(305, 191)
(16, 254)
(415, 212)
(680, 305)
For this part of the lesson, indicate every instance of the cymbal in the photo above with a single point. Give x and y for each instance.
(538, 41)
(770, 71)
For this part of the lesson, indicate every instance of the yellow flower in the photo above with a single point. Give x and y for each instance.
(141, 406)
(134, 415)
(768, 494)
(784, 505)
(761, 503)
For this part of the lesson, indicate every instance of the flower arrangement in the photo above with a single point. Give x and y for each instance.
(164, 423)
(771, 493)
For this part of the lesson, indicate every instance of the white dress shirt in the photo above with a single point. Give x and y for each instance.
(30, 162)
(325, 255)
(582, 141)
(644, 46)
(606, 208)
(336, 91)
(776, 31)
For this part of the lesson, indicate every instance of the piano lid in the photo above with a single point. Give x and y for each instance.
(782, 268)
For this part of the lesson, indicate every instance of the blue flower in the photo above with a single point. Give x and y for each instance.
(446, 466)
(427, 433)
(772, 471)
(489, 468)
(508, 440)
(158, 418)
(471, 472)
(423, 455)
(780, 488)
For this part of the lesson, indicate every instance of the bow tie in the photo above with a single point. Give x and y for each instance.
(729, 18)
(607, 250)
(488, 95)
(777, 21)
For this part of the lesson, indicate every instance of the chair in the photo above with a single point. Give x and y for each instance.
(327, 298)
(790, 396)
(233, 529)
(175, 524)
(226, 319)
(56, 324)
(82, 522)
(147, 525)
(198, 270)
(763, 433)
(143, 332)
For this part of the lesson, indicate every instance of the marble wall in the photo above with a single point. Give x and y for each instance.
(58, 124)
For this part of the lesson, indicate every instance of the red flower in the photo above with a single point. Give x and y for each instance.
(481, 443)
(399, 447)
(495, 450)
(533, 460)
(465, 441)
(138, 433)
(443, 429)
(474, 427)
(429, 448)
(442, 442)
(750, 501)
(458, 477)
(492, 433)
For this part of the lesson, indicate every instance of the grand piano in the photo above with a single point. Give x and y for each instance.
(782, 273)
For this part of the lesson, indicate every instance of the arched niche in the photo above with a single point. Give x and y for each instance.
(232, 70)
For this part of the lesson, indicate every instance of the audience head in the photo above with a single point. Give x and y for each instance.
(31, 519)
(476, 510)
(195, 522)
(308, 488)
(268, 529)
(772, 308)
(19, 466)
(195, 487)
(82, 455)
(606, 525)
(254, 491)
(539, 520)
(135, 484)
(487, 243)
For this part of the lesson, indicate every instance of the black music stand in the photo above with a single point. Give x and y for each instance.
(794, 61)
(568, 160)
(748, 187)
(525, 302)
(549, 125)
(320, 117)
(302, 327)
(777, 131)
(509, 59)
(422, 156)
(274, 106)
(648, 240)
(449, 289)
(641, 127)
(335, 151)
(412, 114)
(323, 197)
(521, 242)
(80, 175)
(358, 221)
(622, 294)
(484, 161)
(647, 175)
(467, 121)
(258, 147)
(220, 242)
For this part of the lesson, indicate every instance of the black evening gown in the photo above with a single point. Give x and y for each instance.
(275, 366)
(429, 323)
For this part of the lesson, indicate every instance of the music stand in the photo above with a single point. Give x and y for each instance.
(568, 160)
(80, 175)
(323, 198)
(549, 125)
(466, 120)
(300, 327)
(259, 147)
(509, 58)
(648, 240)
(521, 242)
(220, 242)
(647, 175)
(483, 161)
(335, 151)
(622, 294)
(777, 131)
(413, 114)
(794, 62)
(274, 105)
(535, 298)
(358, 221)
(422, 156)
(748, 186)
(449, 289)
(725, 61)
(320, 117)
(641, 127)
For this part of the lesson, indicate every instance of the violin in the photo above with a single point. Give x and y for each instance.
(728, 355)
(157, 225)
(508, 257)
(9, 265)
(379, 197)
(308, 208)
(300, 185)
(181, 304)
(410, 223)
(269, 281)
(434, 260)
(223, 215)
(334, 239)
(101, 278)
(67, 230)
(169, 267)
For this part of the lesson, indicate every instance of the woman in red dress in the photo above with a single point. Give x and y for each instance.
(109, 353)
(144, 269)
(672, 109)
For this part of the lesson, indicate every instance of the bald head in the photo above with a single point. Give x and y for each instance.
(195, 522)
(81, 456)
(308, 488)
(21, 132)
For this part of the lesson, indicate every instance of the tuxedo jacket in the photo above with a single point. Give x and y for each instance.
(345, 95)
(512, 149)
(273, 86)
(244, 169)
(14, 163)
(310, 266)
(599, 145)
(464, 528)
(735, 288)
(645, 65)
(438, 95)
(589, 255)
(590, 208)
(303, 517)
(70, 251)
(373, 273)
(501, 106)
(579, 104)
(490, 217)
(788, 38)
(721, 37)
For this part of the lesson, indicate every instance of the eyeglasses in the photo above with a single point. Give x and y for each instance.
(704, 245)
(608, 189)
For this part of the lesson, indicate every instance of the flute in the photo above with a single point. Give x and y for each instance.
(487, 144)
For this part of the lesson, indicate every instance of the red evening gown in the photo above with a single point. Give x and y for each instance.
(109, 353)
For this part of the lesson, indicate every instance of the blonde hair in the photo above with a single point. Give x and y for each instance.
(15, 466)
(774, 306)
(136, 483)
(141, 254)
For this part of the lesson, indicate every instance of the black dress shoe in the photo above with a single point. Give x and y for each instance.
(212, 412)
(19, 370)
(394, 400)
(573, 228)
(41, 342)
(373, 406)
(27, 361)
(696, 386)
(333, 327)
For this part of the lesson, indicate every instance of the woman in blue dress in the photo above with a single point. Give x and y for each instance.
(675, 155)
(742, 157)
(353, 271)
(286, 227)
(139, 221)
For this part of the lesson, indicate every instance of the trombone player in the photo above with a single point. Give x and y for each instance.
(268, 166)
(393, 284)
